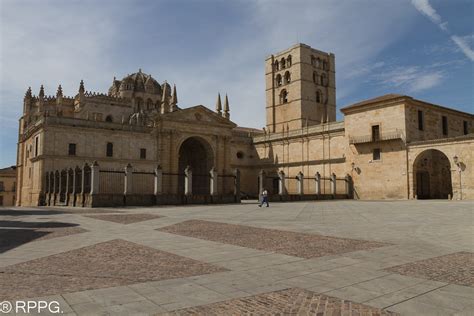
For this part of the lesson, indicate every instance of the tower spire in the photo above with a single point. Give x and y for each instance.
(81, 87)
(226, 108)
(59, 93)
(219, 104)
(164, 99)
(41, 93)
(28, 93)
(174, 99)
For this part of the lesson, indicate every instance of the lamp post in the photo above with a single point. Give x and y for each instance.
(459, 165)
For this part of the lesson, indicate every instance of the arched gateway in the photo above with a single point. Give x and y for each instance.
(198, 154)
(432, 175)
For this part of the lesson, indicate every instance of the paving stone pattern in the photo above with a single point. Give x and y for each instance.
(112, 263)
(457, 268)
(125, 218)
(292, 301)
(289, 243)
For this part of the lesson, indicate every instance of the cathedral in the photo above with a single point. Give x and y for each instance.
(134, 145)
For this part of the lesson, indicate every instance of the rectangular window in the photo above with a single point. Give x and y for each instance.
(1, 200)
(445, 125)
(376, 154)
(420, 121)
(110, 150)
(375, 133)
(142, 153)
(465, 127)
(72, 149)
(2, 186)
(14, 187)
(36, 146)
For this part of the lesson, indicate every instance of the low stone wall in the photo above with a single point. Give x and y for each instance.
(306, 197)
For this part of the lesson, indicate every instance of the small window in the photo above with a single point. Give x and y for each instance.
(322, 80)
(278, 80)
(142, 153)
(72, 149)
(376, 154)
(283, 97)
(315, 77)
(465, 127)
(36, 146)
(445, 125)
(2, 186)
(283, 63)
(287, 77)
(109, 119)
(288, 61)
(110, 150)
(1, 200)
(240, 155)
(276, 65)
(420, 121)
(375, 133)
(318, 97)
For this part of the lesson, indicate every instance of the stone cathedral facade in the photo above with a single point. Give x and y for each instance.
(135, 145)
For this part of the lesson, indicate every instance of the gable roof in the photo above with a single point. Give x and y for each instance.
(198, 113)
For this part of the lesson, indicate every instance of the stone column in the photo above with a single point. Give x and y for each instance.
(317, 177)
(188, 181)
(281, 183)
(213, 181)
(55, 186)
(348, 185)
(300, 178)
(333, 184)
(128, 180)
(237, 183)
(60, 188)
(158, 180)
(74, 187)
(261, 181)
(95, 178)
(68, 183)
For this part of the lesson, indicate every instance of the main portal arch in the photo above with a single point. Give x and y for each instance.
(197, 153)
(432, 175)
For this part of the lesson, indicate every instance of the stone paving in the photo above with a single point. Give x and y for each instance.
(456, 268)
(272, 240)
(142, 275)
(124, 218)
(285, 302)
(112, 263)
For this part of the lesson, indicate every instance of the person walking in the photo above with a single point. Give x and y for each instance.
(264, 198)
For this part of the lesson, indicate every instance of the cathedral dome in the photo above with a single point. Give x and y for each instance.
(136, 82)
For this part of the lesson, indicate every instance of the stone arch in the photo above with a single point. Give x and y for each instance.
(278, 80)
(432, 175)
(197, 153)
(287, 77)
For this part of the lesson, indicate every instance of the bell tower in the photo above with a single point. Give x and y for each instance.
(300, 88)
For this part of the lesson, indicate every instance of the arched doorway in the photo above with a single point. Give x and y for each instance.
(432, 175)
(196, 153)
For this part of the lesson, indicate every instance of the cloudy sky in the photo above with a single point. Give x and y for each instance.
(423, 48)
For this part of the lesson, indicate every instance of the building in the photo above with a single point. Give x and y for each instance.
(135, 145)
(8, 186)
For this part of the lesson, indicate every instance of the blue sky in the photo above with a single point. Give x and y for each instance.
(423, 48)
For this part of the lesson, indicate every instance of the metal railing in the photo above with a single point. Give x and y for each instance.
(383, 136)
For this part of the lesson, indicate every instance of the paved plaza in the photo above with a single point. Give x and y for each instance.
(301, 258)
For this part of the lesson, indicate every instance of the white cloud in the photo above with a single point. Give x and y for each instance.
(409, 79)
(464, 46)
(424, 7)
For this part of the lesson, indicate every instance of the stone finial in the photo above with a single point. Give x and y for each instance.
(164, 99)
(219, 104)
(41, 93)
(59, 93)
(226, 108)
(174, 99)
(28, 93)
(81, 87)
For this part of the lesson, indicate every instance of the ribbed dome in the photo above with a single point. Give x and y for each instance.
(136, 82)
